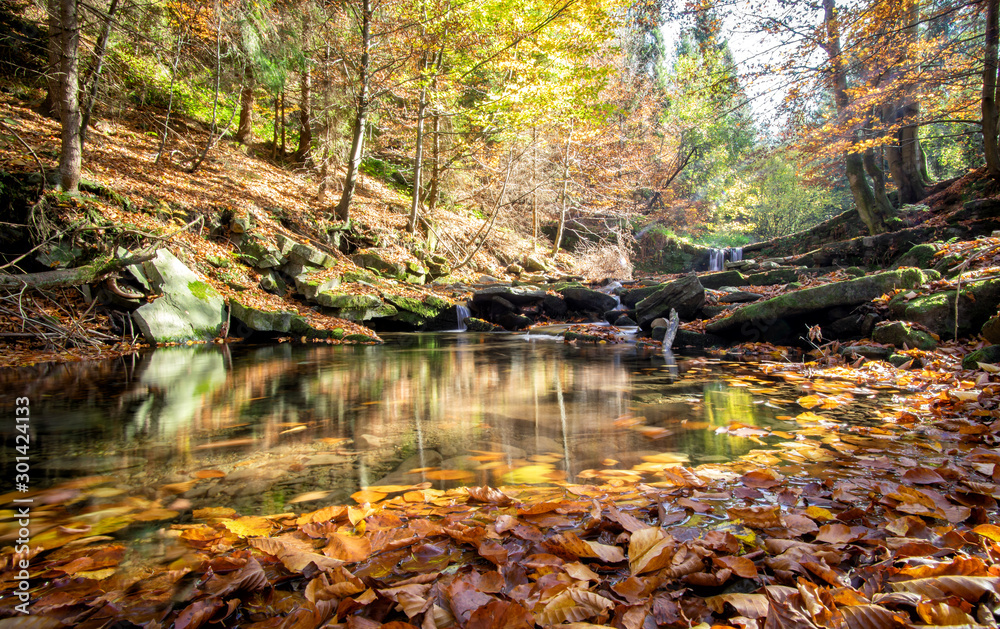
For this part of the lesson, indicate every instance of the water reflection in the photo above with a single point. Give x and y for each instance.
(282, 420)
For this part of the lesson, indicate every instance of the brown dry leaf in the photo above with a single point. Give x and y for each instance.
(939, 588)
(456, 475)
(648, 550)
(758, 517)
(489, 495)
(357, 514)
(292, 555)
(348, 548)
(501, 615)
(585, 549)
(741, 566)
(922, 476)
(941, 613)
(747, 605)
(573, 605)
(762, 479)
(249, 526)
(153, 515)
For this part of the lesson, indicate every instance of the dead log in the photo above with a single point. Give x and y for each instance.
(87, 274)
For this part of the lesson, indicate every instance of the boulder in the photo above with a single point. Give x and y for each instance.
(533, 264)
(900, 333)
(989, 355)
(920, 256)
(685, 295)
(771, 278)
(624, 321)
(189, 308)
(250, 319)
(936, 311)
(272, 283)
(991, 329)
(871, 352)
(769, 318)
(583, 299)
(310, 256)
(723, 278)
(417, 312)
(373, 261)
(308, 285)
(739, 297)
(686, 338)
(481, 325)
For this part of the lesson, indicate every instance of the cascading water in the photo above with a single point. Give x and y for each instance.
(461, 313)
(716, 259)
(735, 254)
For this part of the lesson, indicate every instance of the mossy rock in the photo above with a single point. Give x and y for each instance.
(989, 355)
(260, 320)
(720, 279)
(583, 337)
(900, 333)
(359, 338)
(936, 311)
(473, 324)
(218, 262)
(772, 278)
(920, 256)
(770, 312)
(870, 352)
(855, 271)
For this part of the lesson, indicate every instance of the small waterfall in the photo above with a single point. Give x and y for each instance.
(461, 313)
(735, 254)
(716, 259)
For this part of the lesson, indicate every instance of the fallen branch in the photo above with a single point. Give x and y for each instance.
(87, 274)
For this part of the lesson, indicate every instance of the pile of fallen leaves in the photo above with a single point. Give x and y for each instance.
(882, 521)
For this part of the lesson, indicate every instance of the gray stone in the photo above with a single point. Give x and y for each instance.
(920, 256)
(899, 333)
(685, 295)
(686, 338)
(624, 321)
(725, 278)
(189, 308)
(868, 351)
(587, 300)
(272, 283)
(306, 255)
(514, 269)
(260, 320)
(771, 312)
(532, 264)
(309, 287)
(739, 297)
(373, 261)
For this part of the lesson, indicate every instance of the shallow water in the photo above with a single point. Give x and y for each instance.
(256, 428)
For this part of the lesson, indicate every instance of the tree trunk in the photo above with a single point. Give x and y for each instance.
(274, 130)
(53, 70)
(95, 76)
(244, 131)
(864, 200)
(909, 180)
(361, 117)
(534, 187)
(989, 103)
(418, 155)
(878, 180)
(71, 155)
(565, 192)
(284, 150)
(324, 167)
(434, 190)
(302, 153)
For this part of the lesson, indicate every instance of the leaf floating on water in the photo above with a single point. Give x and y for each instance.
(448, 475)
(367, 496)
(209, 474)
(489, 495)
(922, 476)
(214, 513)
(249, 526)
(309, 496)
